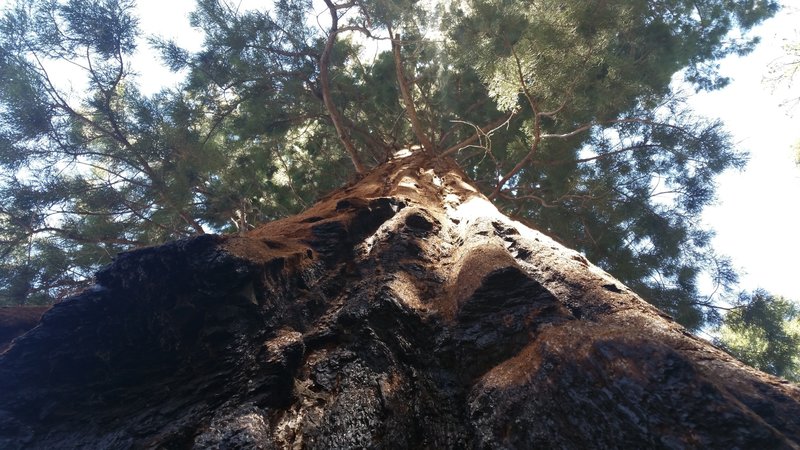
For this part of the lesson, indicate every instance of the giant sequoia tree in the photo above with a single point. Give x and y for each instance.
(403, 309)
(564, 114)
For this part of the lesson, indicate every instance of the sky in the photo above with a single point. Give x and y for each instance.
(757, 214)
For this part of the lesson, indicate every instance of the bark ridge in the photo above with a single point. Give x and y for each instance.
(403, 311)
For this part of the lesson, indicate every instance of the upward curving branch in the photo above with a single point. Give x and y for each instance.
(484, 131)
(537, 127)
(327, 97)
(406, 94)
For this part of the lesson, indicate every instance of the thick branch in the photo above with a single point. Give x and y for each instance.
(406, 94)
(327, 98)
(537, 129)
(572, 133)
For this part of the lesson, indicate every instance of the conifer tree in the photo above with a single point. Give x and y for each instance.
(763, 330)
(565, 115)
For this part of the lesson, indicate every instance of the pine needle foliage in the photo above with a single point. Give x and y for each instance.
(569, 115)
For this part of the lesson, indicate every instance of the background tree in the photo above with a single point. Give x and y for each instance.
(763, 331)
(89, 166)
(565, 115)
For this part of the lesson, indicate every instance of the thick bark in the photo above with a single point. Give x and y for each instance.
(15, 321)
(403, 311)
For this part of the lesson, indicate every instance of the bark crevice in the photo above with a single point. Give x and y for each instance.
(401, 311)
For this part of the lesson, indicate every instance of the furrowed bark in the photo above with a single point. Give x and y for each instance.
(403, 311)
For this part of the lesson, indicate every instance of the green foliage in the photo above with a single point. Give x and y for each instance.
(85, 173)
(763, 331)
(575, 100)
(626, 182)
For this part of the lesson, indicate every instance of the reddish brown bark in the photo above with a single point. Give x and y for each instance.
(403, 311)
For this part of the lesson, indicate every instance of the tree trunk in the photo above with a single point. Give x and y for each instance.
(16, 320)
(403, 311)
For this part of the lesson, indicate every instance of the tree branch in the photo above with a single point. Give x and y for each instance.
(406, 95)
(327, 97)
(469, 110)
(484, 131)
(537, 128)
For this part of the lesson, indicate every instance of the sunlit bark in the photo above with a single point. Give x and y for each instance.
(403, 311)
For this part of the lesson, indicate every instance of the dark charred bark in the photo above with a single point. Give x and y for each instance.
(17, 320)
(403, 311)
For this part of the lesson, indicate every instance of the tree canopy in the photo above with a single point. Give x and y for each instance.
(569, 115)
(763, 330)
